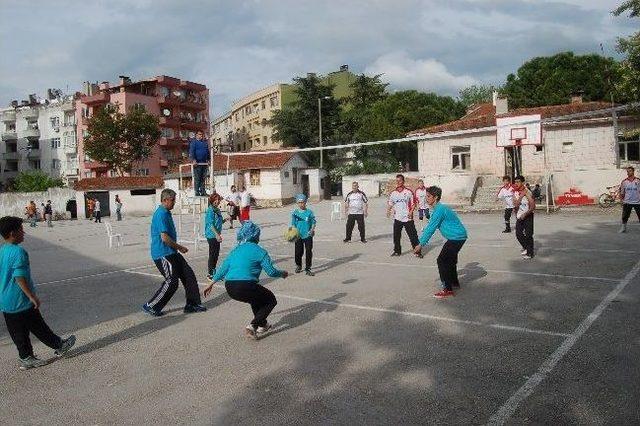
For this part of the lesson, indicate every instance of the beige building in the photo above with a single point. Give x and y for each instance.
(246, 127)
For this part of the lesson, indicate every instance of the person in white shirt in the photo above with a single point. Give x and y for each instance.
(525, 205)
(355, 207)
(421, 200)
(630, 195)
(233, 204)
(402, 203)
(245, 205)
(506, 194)
(96, 212)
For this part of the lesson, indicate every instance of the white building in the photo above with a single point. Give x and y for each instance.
(39, 135)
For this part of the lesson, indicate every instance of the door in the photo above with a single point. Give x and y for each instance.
(513, 161)
(305, 185)
(103, 197)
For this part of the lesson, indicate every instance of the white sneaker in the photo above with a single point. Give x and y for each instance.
(264, 329)
(623, 229)
(523, 252)
(526, 256)
(250, 332)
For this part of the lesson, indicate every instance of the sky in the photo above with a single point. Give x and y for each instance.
(237, 47)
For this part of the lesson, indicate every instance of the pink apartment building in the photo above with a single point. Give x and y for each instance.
(182, 107)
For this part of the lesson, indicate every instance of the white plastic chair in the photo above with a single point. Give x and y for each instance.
(111, 236)
(198, 236)
(336, 211)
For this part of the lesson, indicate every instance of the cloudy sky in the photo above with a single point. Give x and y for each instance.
(236, 47)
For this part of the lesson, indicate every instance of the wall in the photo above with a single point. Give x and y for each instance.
(316, 192)
(290, 189)
(132, 205)
(13, 203)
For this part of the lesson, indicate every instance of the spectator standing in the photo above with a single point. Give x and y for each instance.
(97, 212)
(630, 195)
(355, 207)
(31, 211)
(200, 156)
(402, 203)
(48, 213)
(233, 202)
(118, 208)
(245, 205)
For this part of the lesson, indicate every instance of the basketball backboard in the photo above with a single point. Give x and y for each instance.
(518, 130)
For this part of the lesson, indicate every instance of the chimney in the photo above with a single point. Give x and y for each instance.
(104, 85)
(576, 97)
(502, 105)
(124, 80)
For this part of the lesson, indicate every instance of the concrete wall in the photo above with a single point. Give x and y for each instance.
(132, 205)
(316, 190)
(372, 185)
(13, 203)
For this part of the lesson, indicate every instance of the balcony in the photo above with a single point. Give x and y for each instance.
(198, 106)
(84, 121)
(70, 149)
(30, 114)
(11, 156)
(68, 106)
(164, 163)
(33, 153)
(9, 116)
(169, 121)
(69, 124)
(9, 135)
(168, 81)
(94, 165)
(72, 171)
(169, 100)
(193, 125)
(31, 132)
(98, 98)
(190, 85)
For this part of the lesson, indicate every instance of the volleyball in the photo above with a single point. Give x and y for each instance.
(291, 234)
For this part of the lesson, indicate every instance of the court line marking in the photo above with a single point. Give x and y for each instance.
(497, 271)
(507, 409)
(393, 311)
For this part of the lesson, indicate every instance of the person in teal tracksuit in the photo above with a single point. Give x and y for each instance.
(213, 231)
(452, 229)
(304, 221)
(241, 272)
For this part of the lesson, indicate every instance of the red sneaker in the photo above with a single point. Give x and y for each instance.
(443, 294)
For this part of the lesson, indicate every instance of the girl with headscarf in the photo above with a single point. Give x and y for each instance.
(241, 272)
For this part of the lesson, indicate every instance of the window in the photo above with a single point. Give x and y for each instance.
(138, 106)
(55, 122)
(55, 143)
(273, 102)
(254, 177)
(264, 104)
(460, 157)
(255, 108)
(295, 175)
(286, 175)
(55, 164)
(167, 132)
(538, 149)
(629, 148)
(112, 173)
(264, 140)
(34, 164)
(142, 172)
(567, 147)
(10, 127)
(34, 144)
(164, 91)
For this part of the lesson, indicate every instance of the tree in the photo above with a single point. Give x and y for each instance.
(121, 140)
(476, 94)
(632, 6)
(552, 80)
(298, 125)
(35, 181)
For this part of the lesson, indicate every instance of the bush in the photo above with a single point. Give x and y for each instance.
(35, 181)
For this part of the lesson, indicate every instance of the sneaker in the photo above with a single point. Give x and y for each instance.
(148, 309)
(262, 330)
(523, 252)
(31, 362)
(346, 241)
(443, 294)
(506, 231)
(394, 254)
(363, 241)
(67, 344)
(308, 272)
(623, 229)
(526, 256)
(419, 255)
(250, 331)
(298, 269)
(193, 308)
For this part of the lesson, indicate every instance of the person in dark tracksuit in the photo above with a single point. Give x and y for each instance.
(200, 156)
(524, 205)
(213, 232)
(241, 272)
(304, 221)
(166, 253)
(452, 229)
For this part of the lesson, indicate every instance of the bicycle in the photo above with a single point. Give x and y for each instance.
(609, 198)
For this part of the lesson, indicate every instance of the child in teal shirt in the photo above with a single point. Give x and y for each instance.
(213, 232)
(304, 221)
(18, 301)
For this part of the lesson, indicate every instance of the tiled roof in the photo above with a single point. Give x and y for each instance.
(125, 182)
(484, 116)
(274, 160)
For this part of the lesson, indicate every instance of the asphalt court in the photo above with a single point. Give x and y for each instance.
(361, 340)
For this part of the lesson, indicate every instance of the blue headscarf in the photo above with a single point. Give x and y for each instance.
(249, 232)
(301, 197)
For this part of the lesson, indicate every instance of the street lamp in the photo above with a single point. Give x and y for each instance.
(320, 126)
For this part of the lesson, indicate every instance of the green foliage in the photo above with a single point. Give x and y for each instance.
(631, 6)
(121, 140)
(551, 80)
(35, 181)
(476, 94)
